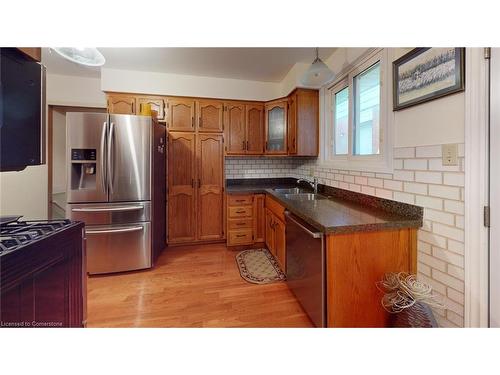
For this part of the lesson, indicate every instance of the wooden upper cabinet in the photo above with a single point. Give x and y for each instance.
(210, 116)
(292, 124)
(254, 129)
(303, 124)
(157, 104)
(235, 128)
(181, 114)
(276, 127)
(122, 104)
(181, 187)
(210, 184)
(33, 52)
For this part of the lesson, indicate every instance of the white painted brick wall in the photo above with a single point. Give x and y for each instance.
(419, 178)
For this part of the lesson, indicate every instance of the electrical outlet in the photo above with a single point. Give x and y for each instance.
(311, 172)
(450, 154)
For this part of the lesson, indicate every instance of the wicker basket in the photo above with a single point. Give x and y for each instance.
(417, 316)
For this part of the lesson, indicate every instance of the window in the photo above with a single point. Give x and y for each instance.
(341, 124)
(367, 112)
(356, 118)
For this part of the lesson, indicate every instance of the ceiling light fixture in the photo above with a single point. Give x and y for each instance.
(318, 73)
(82, 56)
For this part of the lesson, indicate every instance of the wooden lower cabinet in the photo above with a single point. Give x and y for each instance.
(195, 187)
(270, 231)
(259, 207)
(354, 263)
(280, 243)
(181, 223)
(245, 219)
(275, 231)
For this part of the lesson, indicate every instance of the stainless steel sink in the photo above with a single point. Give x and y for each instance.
(304, 197)
(290, 191)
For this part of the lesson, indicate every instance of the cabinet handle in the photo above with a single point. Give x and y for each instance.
(200, 122)
(199, 183)
(192, 183)
(243, 145)
(240, 223)
(133, 107)
(240, 211)
(241, 235)
(192, 122)
(240, 200)
(247, 145)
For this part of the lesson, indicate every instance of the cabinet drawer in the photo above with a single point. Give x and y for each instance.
(239, 223)
(239, 200)
(243, 211)
(239, 237)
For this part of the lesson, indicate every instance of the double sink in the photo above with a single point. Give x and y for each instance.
(299, 194)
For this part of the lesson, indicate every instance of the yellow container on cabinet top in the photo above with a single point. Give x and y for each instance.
(146, 109)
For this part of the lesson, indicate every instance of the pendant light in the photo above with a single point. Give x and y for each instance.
(318, 73)
(82, 56)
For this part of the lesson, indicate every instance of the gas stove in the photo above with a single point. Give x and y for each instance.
(16, 234)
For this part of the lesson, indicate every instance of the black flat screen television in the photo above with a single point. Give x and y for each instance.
(22, 111)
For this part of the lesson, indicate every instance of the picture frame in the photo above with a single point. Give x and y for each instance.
(425, 74)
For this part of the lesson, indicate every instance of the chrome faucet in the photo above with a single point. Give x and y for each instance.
(313, 183)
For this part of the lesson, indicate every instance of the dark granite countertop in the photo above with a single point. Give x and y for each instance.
(258, 185)
(343, 212)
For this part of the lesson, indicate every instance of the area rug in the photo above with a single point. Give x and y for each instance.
(258, 266)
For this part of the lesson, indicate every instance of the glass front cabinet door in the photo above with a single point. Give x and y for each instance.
(276, 127)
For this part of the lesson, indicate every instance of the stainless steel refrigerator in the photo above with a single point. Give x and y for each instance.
(116, 185)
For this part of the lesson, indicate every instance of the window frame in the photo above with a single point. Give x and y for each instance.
(381, 162)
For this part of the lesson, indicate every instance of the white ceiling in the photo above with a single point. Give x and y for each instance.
(256, 64)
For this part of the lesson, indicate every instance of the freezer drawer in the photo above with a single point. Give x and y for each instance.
(109, 213)
(117, 248)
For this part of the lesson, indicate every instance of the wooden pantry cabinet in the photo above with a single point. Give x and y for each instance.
(245, 219)
(195, 187)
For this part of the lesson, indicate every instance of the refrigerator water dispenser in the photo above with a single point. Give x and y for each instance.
(83, 169)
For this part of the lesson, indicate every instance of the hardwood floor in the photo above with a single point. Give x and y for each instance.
(191, 286)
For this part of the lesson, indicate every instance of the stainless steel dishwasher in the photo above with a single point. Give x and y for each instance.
(305, 267)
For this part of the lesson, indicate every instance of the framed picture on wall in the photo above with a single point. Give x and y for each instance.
(425, 74)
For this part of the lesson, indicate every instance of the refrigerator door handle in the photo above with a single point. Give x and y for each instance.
(107, 209)
(110, 157)
(103, 157)
(120, 230)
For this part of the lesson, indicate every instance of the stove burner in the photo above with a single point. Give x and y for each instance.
(13, 235)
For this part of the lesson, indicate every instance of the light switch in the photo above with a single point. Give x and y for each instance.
(450, 154)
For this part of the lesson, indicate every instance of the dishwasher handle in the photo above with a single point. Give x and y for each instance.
(307, 230)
